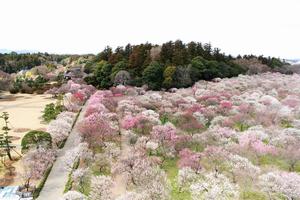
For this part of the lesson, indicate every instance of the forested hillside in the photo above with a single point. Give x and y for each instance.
(13, 62)
(170, 65)
(173, 64)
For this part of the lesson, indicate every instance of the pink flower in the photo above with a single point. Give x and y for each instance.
(226, 104)
(118, 95)
(79, 96)
(95, 108)
(252, 142)
(129, 122)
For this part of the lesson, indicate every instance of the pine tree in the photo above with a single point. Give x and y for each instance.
(5, 139)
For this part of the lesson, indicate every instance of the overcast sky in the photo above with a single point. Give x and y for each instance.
(269, 27)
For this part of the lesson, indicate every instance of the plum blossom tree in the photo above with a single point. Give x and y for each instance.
(60, 128)
(165, 136)
(276, 183)
(128, 106)
(189, 123)
(133, 196)
(79, 152)
(78, 176)
(241, 167)
(155, 184)
(101, 188)
(214, 186)
(95, 108)
(289, 147)
(186, 177)
(73, 195)
(215, 156)
(130, 121)
(188, 158)
(253, 143)
(142, 173)
(36, 163)
(218, 136)
(71, 103)
(95, 129)
(102, 162)
(129, 166)
(111, 150)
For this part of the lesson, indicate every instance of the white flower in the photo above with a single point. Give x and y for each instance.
(285, 183)
(151, 145)
(73, 195)
(186, 177)
(241, 164)
(101, 188)
(200, 117)
(214, 186)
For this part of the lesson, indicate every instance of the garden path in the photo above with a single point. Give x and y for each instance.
(57, 179)
(119, 187)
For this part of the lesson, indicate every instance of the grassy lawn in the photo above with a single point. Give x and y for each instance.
(171, 169)
(252, 195)
(277, 162)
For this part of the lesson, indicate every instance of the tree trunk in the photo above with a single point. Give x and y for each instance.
(8, 154)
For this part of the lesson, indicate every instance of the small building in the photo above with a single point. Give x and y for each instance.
(74, 72)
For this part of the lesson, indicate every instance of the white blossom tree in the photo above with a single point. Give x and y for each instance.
(101, 188)
(214, 186)
(73, 195)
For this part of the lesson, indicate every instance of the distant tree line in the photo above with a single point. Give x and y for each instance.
(173, 64)
(14, 62)
(269, 61)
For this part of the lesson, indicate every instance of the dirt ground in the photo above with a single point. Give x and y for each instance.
(25, 111)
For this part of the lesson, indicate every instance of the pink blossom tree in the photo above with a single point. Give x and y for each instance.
(95, 108)
(95, 129)
(188, 158)
(165, 135)
(129, 122)
(251, 142)
(215, 157)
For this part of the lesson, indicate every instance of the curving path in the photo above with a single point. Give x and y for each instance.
(57, 179)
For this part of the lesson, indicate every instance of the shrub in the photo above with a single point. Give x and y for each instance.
(14, 90)
(51, 111)
(36, 138)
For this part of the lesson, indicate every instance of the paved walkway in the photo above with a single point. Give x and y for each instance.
(120, 186)
(57, 179)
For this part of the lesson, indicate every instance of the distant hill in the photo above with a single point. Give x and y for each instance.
(17, 51)
(293, 61)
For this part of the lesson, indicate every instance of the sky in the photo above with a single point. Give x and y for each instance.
(268, 27)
